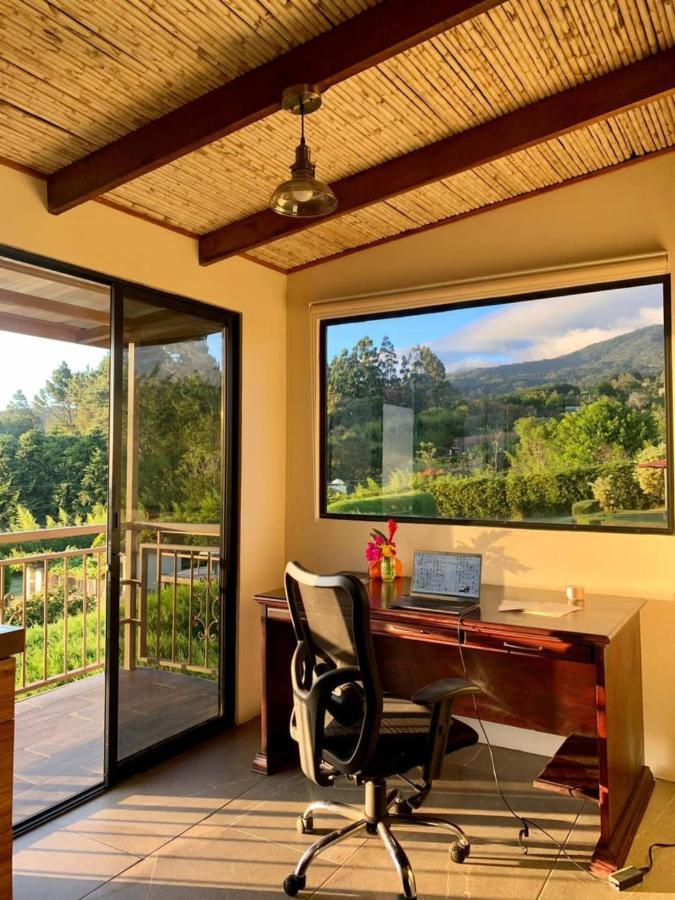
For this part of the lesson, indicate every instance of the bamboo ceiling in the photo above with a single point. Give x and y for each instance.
(76, 74)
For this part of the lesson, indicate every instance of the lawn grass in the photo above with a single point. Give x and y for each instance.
(412, 503)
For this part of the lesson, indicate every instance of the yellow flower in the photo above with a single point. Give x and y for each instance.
(387, 550)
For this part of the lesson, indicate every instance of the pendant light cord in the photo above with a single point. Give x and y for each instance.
(302, 121)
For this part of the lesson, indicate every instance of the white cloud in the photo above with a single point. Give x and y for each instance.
(542, 329)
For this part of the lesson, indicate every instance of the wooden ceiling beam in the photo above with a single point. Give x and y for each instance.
(357, 44)
(606, 96)
(58, 307)
(36, 328)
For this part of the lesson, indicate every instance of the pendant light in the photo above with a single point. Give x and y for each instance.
(303, 196)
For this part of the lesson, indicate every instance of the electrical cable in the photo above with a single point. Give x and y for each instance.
(524, 822)
(650, 856)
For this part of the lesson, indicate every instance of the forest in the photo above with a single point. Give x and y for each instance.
(54, 472)
(558, 440)
(54, 447)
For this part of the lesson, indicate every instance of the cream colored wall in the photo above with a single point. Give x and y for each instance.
(620, 213)
(108, 241)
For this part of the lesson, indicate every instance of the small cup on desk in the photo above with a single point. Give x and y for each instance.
(575, 595)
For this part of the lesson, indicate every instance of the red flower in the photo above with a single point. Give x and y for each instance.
(392, 526)
(373, 552)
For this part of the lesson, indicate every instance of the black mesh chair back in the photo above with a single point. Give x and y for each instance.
(334, 673)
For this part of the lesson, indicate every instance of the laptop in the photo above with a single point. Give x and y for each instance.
(443, 581)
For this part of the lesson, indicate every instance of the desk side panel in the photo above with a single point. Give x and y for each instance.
(620, 724)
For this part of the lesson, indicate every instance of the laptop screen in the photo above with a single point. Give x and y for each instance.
(446, 574)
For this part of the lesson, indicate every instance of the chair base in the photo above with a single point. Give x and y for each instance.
(376, 818)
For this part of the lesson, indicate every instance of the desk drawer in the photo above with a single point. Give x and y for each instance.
(415, 632)
(529, 645)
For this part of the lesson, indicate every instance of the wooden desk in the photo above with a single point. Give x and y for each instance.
(11, 642)
(575, 676)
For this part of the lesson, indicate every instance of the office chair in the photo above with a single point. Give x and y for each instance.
(344, 725)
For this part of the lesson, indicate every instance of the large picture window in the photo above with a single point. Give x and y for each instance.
(548, 410)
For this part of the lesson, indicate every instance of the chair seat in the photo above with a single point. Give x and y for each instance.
(403, 741)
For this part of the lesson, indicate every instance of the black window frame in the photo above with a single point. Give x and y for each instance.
(231, 321)
(325, 323)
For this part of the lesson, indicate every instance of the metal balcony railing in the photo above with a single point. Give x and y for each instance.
(170, 602)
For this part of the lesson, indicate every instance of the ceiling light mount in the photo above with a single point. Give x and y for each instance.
(301, 99)
(303, 196)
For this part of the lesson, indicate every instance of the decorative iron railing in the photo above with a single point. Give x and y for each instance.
(170, 603)
(180, 606)
(63, 594)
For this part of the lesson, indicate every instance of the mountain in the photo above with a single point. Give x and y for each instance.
(637, 351)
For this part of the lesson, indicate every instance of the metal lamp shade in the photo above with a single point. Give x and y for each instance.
(303, 196)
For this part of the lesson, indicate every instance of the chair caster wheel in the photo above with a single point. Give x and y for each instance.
(293, 884)
(459, 852)
(403, 808)
(304, 825)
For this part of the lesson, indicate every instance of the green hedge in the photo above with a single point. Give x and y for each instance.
(549, 492)
(617, 489)
(513, 496)
(471, 497)
(585, 507)
(409, 504)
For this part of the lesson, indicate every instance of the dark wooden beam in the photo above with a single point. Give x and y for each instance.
(577, 107)
(357, 44)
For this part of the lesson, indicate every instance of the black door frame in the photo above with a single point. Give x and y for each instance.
(230, 322)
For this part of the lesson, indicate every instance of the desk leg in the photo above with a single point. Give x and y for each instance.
(626, 783)
(277, 748)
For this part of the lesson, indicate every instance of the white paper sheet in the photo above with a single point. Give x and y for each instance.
(551, 609)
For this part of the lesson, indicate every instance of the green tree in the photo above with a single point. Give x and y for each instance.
(8, 492)
(18, 416)
(93, 486)
(55, 400)
(535, 451)
(603, 431)
(426, 382)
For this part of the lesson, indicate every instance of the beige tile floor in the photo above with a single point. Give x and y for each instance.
(203, 826)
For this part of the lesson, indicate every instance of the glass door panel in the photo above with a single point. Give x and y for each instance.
(54, 379)
(170, 523)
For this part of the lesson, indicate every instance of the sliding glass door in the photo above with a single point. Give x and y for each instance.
(119, 441)
(170, 485)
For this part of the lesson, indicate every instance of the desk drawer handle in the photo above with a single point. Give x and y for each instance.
(523, 647)
(410, 630)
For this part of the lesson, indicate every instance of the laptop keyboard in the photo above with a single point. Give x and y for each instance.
(435, 604)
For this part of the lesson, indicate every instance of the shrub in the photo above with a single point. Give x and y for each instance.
(585, 507)
(652, 481)
(471, 497)
(370, 489)
(548, 492)
(617, 489)
(400, 481)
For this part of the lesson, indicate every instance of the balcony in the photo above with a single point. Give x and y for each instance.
(169, 649)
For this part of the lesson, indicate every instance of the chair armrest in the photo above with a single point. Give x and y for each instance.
(445, 689)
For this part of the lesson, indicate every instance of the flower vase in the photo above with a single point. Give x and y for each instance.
(388, 568)
(375, 569)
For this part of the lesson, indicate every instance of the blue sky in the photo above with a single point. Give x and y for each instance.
(26, 362)
(513, 332)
